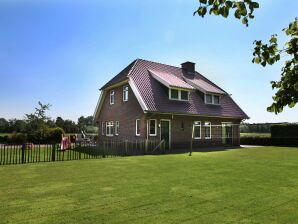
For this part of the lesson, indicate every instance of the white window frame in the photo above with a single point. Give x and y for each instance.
(208, 127)
(138, 121)
(117, 128)
(112, 97)
(179, 94)
(103, 127)
(109, 128)
(212, 98)
(125, 93)
(193, 131)
(155, 127)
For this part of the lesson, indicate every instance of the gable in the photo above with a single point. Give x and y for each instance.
(145, 78)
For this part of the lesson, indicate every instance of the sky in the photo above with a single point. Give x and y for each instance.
(62, 52)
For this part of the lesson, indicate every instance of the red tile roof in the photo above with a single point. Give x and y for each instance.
(204, 86)
(170, 80)
(157, 100)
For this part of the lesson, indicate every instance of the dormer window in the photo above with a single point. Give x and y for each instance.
(174, 94)
(212, 99)
(184, 95)
(178, 94)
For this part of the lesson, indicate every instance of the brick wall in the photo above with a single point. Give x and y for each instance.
(181, 137)
(127, 112)
(124, 112)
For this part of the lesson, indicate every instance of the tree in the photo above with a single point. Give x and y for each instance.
(287, 87)
(37, 121)
(87, 124)
(3, 125)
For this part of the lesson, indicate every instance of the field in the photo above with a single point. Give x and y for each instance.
(255, 135)
(257, 185)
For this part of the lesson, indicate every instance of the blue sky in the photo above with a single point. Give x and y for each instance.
(62, 52)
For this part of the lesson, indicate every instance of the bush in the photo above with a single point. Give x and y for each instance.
(4, 139)
(46, 135)
(284, 135)
(17, 138)
(54, 135)
(266, 141)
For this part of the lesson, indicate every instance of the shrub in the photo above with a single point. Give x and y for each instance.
(46, 135)
(4, 139)
(254, 140)
(54, 135)
(284, 131)
(17, 138)
(284, 135)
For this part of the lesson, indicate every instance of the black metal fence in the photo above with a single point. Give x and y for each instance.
(34, 153)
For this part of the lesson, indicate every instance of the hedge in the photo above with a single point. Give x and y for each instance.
(284, 135)
(266, 141)
(42, 136)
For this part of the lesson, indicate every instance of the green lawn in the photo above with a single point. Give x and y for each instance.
(5, 134)
(257, 185)
(255, 135)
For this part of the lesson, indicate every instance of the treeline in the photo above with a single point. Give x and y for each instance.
(69, 126)
(257, 127)
(39, 120)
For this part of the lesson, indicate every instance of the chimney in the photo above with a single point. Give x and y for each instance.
(188, 67)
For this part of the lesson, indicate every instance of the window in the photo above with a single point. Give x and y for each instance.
(174, 94)
(152, 127)
(208, 98)
(138, 127)
(207, 127)
(216, 99)
(109, 128)
(197, 130)
(117, 128)
(103, 128)
(177, 94)
(112, 97)
(212, 99)
(184, 95)
(125, 93)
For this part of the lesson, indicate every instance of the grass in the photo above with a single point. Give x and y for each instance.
(257, 185)
(255, 135)
(5, 134)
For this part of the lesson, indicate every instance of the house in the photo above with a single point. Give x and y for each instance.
(149, 100)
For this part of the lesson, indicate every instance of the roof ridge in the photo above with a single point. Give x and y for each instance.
(132, 67)
(159, 63)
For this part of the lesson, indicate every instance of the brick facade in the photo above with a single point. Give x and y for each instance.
(181, 125)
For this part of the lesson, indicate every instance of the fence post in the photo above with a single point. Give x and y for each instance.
(126, 141)
(190, 152)
(53, 151)
(23, 153)
(104, 147)
(146, 145)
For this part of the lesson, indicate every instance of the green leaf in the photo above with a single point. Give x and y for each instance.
(292, 104)
(257, 60)
(202, 11)
(229, 4)
(255, 5)
(245, 21)
(203, 1)
(237, 14)
(225, 12)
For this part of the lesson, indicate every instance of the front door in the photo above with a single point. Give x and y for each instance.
(165, 127)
